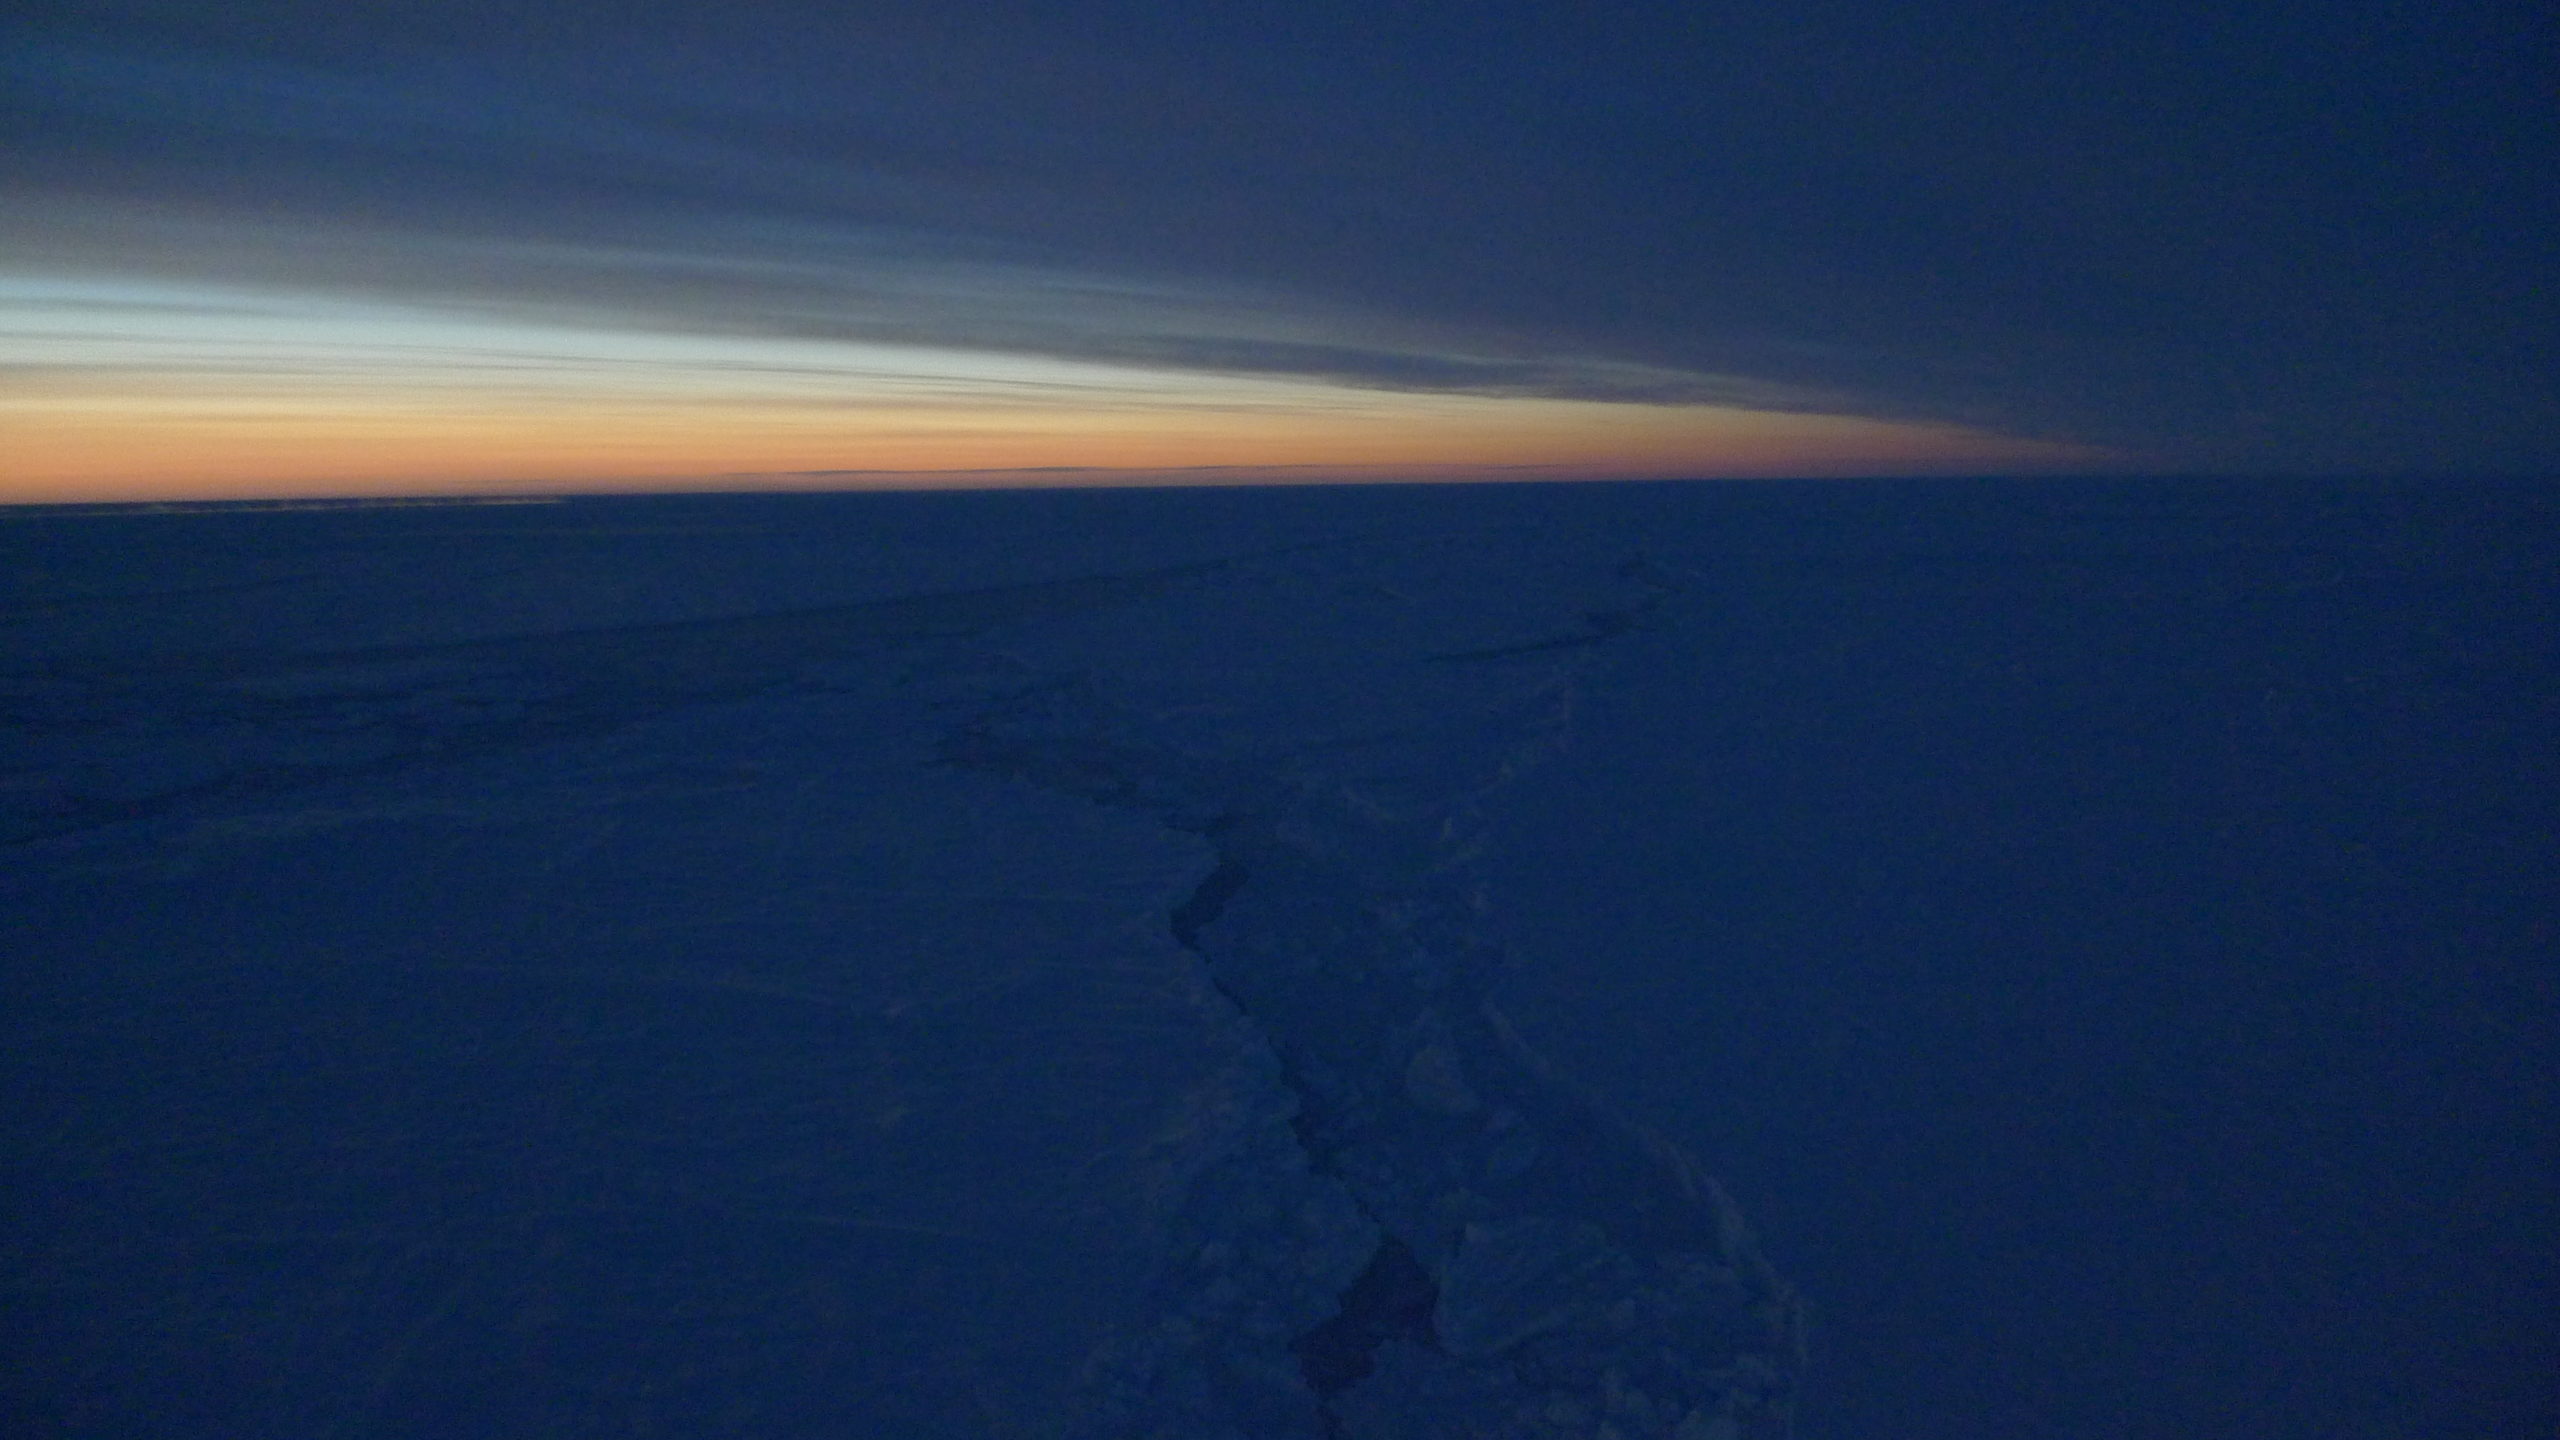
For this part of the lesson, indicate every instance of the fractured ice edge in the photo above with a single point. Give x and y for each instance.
(1436, 1234)
(1395, 1220)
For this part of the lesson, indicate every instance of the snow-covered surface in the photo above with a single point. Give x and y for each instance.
(1063, 965)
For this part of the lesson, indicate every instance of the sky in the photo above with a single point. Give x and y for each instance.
(283, 248)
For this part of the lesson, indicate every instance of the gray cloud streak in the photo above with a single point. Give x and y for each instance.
(2233, 238)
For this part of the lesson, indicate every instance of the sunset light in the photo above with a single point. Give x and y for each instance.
(161, 390)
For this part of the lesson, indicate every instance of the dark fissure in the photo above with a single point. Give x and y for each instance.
(1393, 1297)
(1206, 903)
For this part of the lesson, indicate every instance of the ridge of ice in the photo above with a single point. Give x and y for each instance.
(1562, 1271)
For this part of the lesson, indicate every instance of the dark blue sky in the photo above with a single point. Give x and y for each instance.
(2243, 236)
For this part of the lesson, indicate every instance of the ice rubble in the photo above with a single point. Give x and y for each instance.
(1366, 1208)
(1454, 1239)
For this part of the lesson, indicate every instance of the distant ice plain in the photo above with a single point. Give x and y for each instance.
(722, 964)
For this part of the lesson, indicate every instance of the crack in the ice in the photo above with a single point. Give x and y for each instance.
(1392, 1296)
(1529, 1259)
(262, 723)
(1204, 904)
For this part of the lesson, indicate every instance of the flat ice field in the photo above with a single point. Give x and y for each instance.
(1716, 962)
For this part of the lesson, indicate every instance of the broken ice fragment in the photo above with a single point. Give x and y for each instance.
(1435, 1082)
(1518, 1278)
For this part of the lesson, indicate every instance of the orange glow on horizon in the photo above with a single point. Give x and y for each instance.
(183, 449)
(143, 391)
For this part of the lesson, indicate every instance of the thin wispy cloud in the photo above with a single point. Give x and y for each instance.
(2283, 249)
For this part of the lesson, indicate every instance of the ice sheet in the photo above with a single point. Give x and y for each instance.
(1079, 965)
(1026, 1008)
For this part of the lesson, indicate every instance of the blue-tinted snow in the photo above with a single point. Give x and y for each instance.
(1285, 964)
